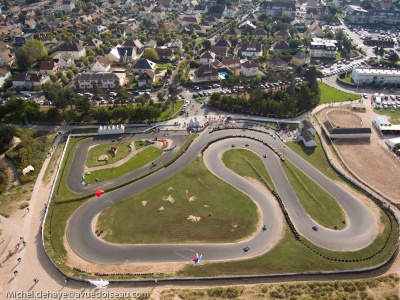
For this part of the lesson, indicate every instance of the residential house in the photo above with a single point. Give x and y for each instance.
(15, 11)
(298, 24)
(4, 75)
(126, 54)
(99, 29)
(133, 44)
(143, 11)
(66, 6)
(150, 44)
(104, 80)
(101, 65)
(251, 49)
(276, 9)
(7, 58)
(234, 31)
(48, 68)
(300, 59)
(306, 134)
(282, 34)
(65, 61)
(260, 33)
(30, 23)
(29, 80)
(315, 30)
(206, 73)
(176, 45)
(76, 50)
(277, 64)
(146, 78)
(207, 58)
(230, 12)
(93, 44)
(323, 48)
(187, 20)
(112, 54)
(313, 13)
(16, 32)
(21, 40)
(249, 69)
(200, 9)
(280, 46)
(221, 48)
(142, 65)
(165, 53)
(231, 63)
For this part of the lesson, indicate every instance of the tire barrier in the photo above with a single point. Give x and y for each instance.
(119, 274)
(383, 206)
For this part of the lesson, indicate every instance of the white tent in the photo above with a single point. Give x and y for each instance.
(27, 170)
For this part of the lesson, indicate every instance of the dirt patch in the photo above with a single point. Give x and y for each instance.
(371, 161)
(344, 118)
(169, 199)
(170, 188)
(193, 218)
(161, 208)
(144, 203)
(205, 205)
(191, 199)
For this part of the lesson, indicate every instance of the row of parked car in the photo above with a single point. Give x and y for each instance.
(342, 69)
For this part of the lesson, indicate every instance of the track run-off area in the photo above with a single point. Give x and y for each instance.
(362, 225)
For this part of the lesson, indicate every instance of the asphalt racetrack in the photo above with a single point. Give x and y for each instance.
(360, 231)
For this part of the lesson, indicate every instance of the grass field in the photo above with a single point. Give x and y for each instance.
(290, 255)
(247, 164)
(139, 160)
(225, 213)
(320, 205)
(330, 94)
(385, 287)
(164, 65)
(393, 115)
(314, 156)
(32, 150)
(104, 149)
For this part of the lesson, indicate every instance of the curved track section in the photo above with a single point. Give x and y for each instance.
(359, 233)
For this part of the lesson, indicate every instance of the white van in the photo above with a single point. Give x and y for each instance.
(90, 95)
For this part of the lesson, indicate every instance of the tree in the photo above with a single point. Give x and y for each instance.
(69, 74)
(6, 136)
(30, 53)
(394, 57)
(160, 96)
(206, 44)
(151, 54)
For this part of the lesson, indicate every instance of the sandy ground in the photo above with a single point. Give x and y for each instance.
(371, 160)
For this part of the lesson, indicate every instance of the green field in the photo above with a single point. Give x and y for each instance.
(226, 214)
(247, 164)
(320, 205)
(104, 149)
(392, 115)
(315, 156)
(330, 94)
(142, 158)
(164, 65)
(171, 112)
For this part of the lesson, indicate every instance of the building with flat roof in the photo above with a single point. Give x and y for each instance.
(373, 75)
(383, 125)
(323, 48)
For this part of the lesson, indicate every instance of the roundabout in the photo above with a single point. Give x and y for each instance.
(361, 228)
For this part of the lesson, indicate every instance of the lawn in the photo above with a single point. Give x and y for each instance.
(164, 65)
(315, 156)
(225, 214)
(139, 160)
(392, 115)
(330, 94)
(291, 256)
(247, 164)
(104, 149)
(320, 205)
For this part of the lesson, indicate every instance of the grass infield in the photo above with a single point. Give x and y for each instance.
(139, 160)
(192, 206)
(247, 164)
(320, 205)
(104, 149)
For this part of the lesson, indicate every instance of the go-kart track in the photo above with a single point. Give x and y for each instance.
(360, 231)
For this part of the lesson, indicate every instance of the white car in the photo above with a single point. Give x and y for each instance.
(113, 94)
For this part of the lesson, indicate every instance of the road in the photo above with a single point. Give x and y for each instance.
(361, 228)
